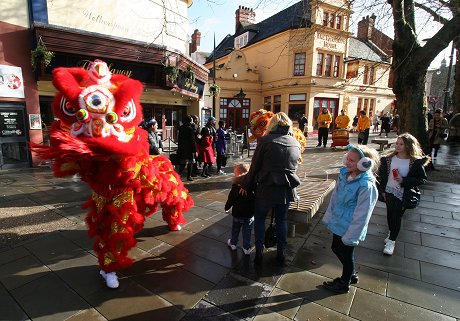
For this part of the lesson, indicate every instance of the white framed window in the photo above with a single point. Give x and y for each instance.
(241, 40)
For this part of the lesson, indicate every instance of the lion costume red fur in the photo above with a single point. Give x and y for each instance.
(97, 137)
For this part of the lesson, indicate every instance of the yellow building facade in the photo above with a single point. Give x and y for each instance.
(295, 62)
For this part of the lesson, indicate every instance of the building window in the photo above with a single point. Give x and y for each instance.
(325, 18)
(328, 65)
(299, 64)
(297, 97)
(368, 77)
(319, 64)
(366, 104)
(336, 66)
(331, 20)
(276, 104)
(268, 103)
(241, 40)
(296, 111)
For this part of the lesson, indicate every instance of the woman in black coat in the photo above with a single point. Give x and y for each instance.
(186, 146)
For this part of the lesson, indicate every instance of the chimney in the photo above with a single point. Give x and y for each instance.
(366, 27)
(196, 39)
(244, 16)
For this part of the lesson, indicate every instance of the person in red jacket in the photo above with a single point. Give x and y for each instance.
(206, 151)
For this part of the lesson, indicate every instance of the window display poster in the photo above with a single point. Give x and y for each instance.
(35, 121)
(11, 123)
(11, 82)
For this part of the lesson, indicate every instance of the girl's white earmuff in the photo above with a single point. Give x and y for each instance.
(364, 164)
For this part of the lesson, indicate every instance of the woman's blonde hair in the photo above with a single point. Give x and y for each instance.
(412, 146)
(370, 153)
(279, 119)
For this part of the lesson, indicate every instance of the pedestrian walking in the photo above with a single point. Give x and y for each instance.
(350, 210)
(401, 171)
(355, 123)
(303, 121)
(273, 177)
(437, 131)
(386, 123)
(242, 210)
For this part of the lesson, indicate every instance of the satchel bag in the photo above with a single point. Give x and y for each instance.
(442, 135)
(361, 135)
(270, 234)
(411, 197)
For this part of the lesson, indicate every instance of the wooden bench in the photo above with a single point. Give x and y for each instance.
(311, 192)
(383, 143)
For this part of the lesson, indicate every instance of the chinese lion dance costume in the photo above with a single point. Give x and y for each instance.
(258, 122)
(97, 137)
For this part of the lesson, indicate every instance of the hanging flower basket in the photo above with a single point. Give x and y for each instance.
(172, 72)
(214, 90)
(41, 55)
(189, 75)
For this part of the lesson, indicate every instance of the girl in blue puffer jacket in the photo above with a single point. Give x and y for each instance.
(350, 209)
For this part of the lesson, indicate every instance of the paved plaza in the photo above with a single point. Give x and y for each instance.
(48, 270)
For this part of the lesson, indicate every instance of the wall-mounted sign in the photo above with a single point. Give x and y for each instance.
(11, 123)
(11, 82)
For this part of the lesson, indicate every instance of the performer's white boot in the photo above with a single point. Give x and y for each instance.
(111, 279)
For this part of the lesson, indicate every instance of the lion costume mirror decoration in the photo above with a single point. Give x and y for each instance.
(97, 137)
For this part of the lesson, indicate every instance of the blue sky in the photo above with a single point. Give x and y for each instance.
(218, 17)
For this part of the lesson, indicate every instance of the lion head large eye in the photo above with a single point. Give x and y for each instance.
(129, 112)
(67, 108)
(96, 99)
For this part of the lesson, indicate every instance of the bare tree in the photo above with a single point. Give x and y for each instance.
(410, 63)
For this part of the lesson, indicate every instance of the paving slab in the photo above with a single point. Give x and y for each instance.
(22, 271)
(48, 298)
(435, 229)
(312, 311)
(431, 255)
(133, 302)
(307, 285)
(283, 303)
(10, 309)
(431, 297)
(370, 306)
(239, 296)
(441, 242)
(440, 275)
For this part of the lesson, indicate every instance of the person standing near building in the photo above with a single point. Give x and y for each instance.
(186, 146)
(324, 120)
(221, 147)
(303, 121)
(155, 143)
(437, 131)
(211, 125)
(364, 126)
(386, 123)
(355, 123)
(350, 210)
(273, 177)
(242, 210)
(342, 121)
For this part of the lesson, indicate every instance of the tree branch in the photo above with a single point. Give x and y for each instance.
(437, 17)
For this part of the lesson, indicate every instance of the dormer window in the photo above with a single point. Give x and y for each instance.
(241, 40)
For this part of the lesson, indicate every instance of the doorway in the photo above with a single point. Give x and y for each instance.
(13, 137)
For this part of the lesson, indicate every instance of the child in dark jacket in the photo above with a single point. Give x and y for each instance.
(242, 210)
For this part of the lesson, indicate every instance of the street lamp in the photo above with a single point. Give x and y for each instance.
(449, 74)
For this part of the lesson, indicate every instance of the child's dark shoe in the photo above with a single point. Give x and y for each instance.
(337, 286)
